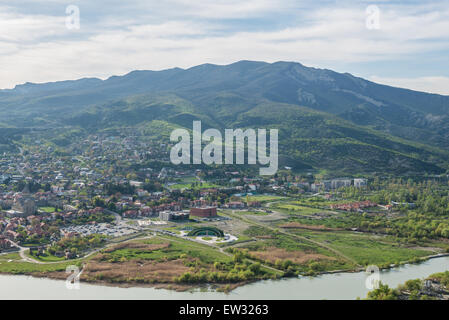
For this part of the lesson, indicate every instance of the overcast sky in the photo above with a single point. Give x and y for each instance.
(408, 46)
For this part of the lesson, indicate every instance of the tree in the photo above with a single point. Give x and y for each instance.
(384, 292)
(98, 202)
(238, 257)
(255, 268)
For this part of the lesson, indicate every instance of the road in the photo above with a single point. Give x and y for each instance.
(22, 253)
(27, 258)
(118, 218)
(249, 221)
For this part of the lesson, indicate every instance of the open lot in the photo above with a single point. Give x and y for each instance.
(119, 230)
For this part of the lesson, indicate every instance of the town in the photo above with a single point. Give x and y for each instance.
(45, 197)
(105, 195)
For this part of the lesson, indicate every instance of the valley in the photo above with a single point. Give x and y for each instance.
(86, 178)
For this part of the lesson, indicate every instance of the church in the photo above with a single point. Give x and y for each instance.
(24, 205)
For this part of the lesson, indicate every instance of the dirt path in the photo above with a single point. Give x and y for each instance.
(221, 250)
(320, 244)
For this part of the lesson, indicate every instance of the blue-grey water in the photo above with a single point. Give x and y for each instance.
(329, 286)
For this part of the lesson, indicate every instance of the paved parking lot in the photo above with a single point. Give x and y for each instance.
(119, 230)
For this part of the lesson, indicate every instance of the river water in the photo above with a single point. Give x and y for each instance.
(329, 286)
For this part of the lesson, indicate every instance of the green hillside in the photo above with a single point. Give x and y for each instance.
(326, 120)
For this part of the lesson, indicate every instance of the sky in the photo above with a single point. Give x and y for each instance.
(399, 43)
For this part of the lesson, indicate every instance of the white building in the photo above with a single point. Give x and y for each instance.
(358, 183)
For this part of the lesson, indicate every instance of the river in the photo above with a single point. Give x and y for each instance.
(329, 286)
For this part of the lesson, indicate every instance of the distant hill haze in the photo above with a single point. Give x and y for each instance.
(326, 120)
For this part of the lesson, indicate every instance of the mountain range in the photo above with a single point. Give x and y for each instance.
(327, 120)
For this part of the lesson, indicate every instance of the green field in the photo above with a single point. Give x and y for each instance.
(16, 266)
(46, 258)
(190, 183)
(292, 208)
(317, 202)
(250, 212)
(265, 198)
(241, 239)
(47, 209)
(328, 261)
(177, 248)
(366, 249)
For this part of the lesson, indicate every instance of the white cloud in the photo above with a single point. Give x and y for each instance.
(20, 28)
(38, 48)
(227, 8)
(439, 85)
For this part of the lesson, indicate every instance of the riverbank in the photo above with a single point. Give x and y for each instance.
(434, 287)
(59, 275)
(170, 263)
(346, 286)
(176, 287)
